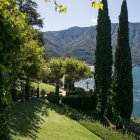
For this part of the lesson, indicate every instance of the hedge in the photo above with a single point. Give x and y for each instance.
(88, 102)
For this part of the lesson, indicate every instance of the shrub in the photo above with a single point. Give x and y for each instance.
(79, 89)
(105, 133)
(87, 102)
(69, 93)
(79, 93)
(53, 97)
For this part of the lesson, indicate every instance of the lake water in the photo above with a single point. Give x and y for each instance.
(136, 89)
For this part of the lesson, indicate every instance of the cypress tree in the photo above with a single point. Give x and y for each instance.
(103, 59)
(123, 82)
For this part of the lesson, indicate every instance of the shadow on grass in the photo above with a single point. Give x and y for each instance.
(26, 117)
(67, 111)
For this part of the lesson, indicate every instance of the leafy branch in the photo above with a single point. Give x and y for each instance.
(62, 9)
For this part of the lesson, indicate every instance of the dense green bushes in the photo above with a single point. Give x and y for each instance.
(84, 102)
(53, 97)
(104, 132)
(69, 93)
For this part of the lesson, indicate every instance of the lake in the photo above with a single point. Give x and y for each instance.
(89, 84)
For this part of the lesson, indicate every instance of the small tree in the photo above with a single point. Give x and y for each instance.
(74, 71)
(32, 61)
(41, 75)
(56, 71)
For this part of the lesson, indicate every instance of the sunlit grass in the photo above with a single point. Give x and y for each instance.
(41, 120)
(46, 87)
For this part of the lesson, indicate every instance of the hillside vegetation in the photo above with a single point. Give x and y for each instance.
(80, 42)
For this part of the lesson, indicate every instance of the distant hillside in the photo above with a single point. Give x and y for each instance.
(81, 42)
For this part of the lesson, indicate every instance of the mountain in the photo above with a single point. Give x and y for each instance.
(80, 42)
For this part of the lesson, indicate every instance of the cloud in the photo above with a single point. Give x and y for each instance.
(94, 21)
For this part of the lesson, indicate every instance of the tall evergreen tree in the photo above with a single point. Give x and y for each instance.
(103, 59)
(33, 18)
(30, 8)
(123, 82)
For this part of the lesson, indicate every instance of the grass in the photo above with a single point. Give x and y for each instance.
(44, 86)
(104, 132)
(41, 120)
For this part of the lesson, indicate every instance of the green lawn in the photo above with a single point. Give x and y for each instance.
(41, 120)
(44, 86)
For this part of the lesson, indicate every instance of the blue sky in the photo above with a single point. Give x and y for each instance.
(81, 14)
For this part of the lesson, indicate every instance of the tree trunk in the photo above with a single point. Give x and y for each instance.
(4, 111)
(103, 104)
(65, 83)
(13, 89)
(27, 89)
(72, 86)
(14, 94)
(38, 91)
(57, 88)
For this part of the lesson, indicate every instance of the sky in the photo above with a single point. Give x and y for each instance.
(80, 13)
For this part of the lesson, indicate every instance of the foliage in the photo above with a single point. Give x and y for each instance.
(59, 7)
(133, 126)
(71, 68)
(82, 102)
(103, 59)
(82, 40)
(123, 82)
(33, 18)
(30, 8)
(33, 51)
(13, 34)
(4, 110)
(55, 71)
(75, 70)
(69, 93)
(13, 30)
(33, 57)
(55, 67)
(53, 97)
(98, 4)
(104, 132)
